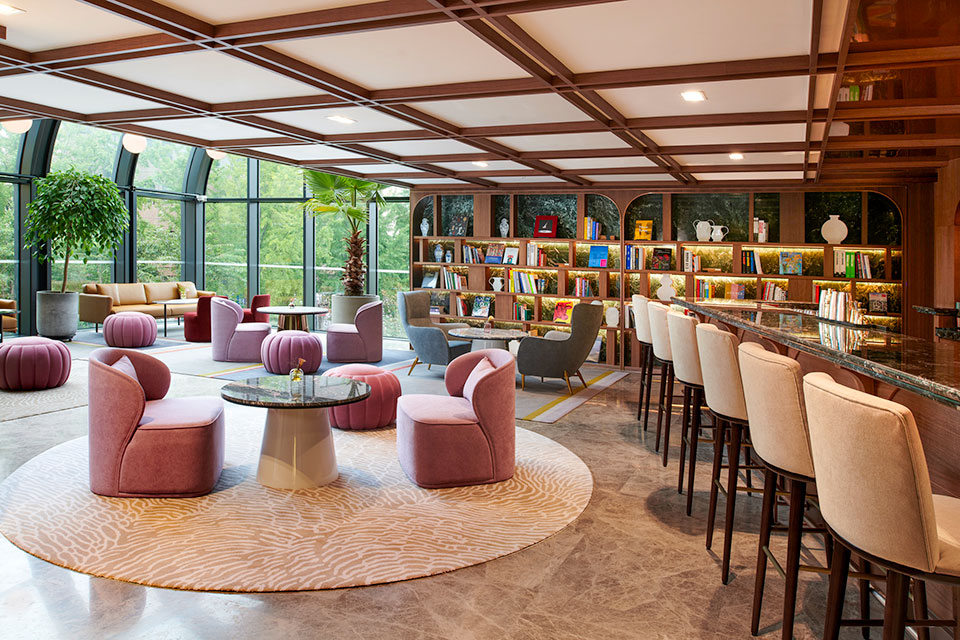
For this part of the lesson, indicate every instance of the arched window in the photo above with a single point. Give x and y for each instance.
(225, 229)
(161, 169)
(86, 149)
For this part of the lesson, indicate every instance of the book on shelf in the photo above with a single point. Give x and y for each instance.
(472, 255)
(522, 311)
(791, 263)
(482, 306)
(533, 254)
(583, 288)
(877, 302)
(661, 258)
(461, 306)
(521, 281)
(452, 279)
(494, 253)
(635, 258)
(719, 289)
(591, 229)
(852, 264)
(643, 230)
(750, 262)
(511, 255)
(691, 261)
(429, 280)
(773, 291)
(562, 311)
(435, 311)
(598, 256)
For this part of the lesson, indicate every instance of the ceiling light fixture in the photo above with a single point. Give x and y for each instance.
(17, 126)
(133, 143)
(342, 119)
(693, 95)
(736, 155)
(7, 10)
(481, 163)
(216, 154)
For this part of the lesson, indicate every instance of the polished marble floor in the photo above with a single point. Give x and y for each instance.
(632, 566)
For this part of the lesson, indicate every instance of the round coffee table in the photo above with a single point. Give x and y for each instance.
(297, 450)
(176, 302)
(488, 338)
(293, 317)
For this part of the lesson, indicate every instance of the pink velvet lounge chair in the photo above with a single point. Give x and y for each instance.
(251, 314)
(143, 444)
(361, 341)
(454, 441)
(233, 340)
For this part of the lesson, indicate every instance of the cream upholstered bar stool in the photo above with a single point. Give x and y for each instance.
(875, 497)
(663, 352)
(686, 367)
(723, 390)
(641, 321)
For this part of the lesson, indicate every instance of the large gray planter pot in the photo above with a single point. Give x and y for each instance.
(57, 314)
(344, 308)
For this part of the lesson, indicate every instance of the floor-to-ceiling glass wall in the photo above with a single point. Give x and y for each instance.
(393, 255)
(161, 168)
(9, 153)
(225, 230)
(281, 233)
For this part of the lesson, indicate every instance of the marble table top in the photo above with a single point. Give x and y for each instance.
(274, 392)
(293, 311)
(178, 301)
(948, 333)
(478, 333)
(938, 311)
(929, 368)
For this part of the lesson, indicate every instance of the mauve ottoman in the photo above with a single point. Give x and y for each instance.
(33, 363)
(129, 330)
(379, 410)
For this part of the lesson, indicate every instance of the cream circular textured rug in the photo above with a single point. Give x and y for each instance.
(370, 526)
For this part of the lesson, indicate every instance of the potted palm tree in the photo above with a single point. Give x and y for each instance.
(348, 199)
(73, 212)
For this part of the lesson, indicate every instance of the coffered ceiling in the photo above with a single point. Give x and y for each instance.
(511, 93)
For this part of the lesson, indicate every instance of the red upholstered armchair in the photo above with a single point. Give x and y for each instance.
(251, 315)
(196, 324)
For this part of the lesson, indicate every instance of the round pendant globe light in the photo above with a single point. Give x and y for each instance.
(17, 126)
(216, 154)
(134, 143)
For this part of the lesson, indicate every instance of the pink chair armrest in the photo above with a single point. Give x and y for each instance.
(154, 376)
(459, 370)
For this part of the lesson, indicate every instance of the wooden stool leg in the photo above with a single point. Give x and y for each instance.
(839, 568)
(718, 438)
(648, 388)
(798, 498)
(663, 393)
(684, 433)
(733, 472)
(895, 610)
(920, 611)
(864, 585)
(766, 522)
(669, 413)
(694, 443)
(643, 379)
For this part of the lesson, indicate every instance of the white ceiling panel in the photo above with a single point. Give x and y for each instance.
(489, 112)
(563, 142)
(221, 11)
(523, 179)
(208, 76)
(308, 152)
(832, 16)
(208, 128)
(650, 33)
(729, 135)
(756, 175)
(380, 168)
(632, 177)
(823, 91)
(317, 120)
(408, 57)
(492, 165)
(423, 147)
(771, 157)
(602, 163)
(56, 92)
(729, 96)
(433, 181)
(52, 24)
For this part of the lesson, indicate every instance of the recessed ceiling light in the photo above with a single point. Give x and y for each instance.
(481, 163)
(7, 10)
(736, 155)
(693, 95)
(17, 126)
(216, 154)
(133, 143)
(342, 119)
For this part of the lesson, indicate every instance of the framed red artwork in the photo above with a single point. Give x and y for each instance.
(545, 227)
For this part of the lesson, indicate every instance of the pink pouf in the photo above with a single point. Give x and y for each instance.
(130, 330)
(33, 363)
(379, 410)
(280, 351)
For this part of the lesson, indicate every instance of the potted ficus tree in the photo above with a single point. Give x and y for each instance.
(348, 199)
(73, 213)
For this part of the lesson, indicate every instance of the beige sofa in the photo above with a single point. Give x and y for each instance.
(8, 323)
(97, 301)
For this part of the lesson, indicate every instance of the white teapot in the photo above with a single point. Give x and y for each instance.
(719, 231)
(702, 228)
(497, 284)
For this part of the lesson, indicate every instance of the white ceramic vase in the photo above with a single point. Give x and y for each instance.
(424, 227)
(666, 290)
(612, 316)
(438, 253)
(504, 228)
(834, 231)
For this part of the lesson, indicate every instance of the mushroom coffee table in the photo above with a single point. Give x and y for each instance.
(488, 338)
(293, 317)
(297, 450)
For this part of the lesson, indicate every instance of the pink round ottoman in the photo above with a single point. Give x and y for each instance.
(33, 363)
(130, 330)
(280, 351)
(379, 410)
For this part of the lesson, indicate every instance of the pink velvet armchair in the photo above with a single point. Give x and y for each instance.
(232, 340)
(143, 444)
(361, 341)
(454, 441)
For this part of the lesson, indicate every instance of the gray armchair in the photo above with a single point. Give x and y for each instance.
(559, 354)
(429, 339)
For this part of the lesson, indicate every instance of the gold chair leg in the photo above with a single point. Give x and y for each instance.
(582, 381)
(566, 379)
(428, 367)
(523, 380)
(416, 361)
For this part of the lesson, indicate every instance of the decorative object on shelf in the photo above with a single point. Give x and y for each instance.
(504, 227)
(612, 316)
(643, 230)
(495, 252)
(562, 311)
(429, 280)
(482, 306)
(424, 227)
(834, 230)
(719, 231)
(511, 255)
(458, 226)
(545, 227)
(496, 283)
(666, 290)
(661, 258)
(703, 228)
(598, 256)
(448, 257)
(877, 302)
(791, 263)
(438, 253)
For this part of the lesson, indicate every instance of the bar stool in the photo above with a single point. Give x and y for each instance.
(641, 321)
(686, 366)
(723, 390)
(663, 353)
(773, 392)
(875, 496)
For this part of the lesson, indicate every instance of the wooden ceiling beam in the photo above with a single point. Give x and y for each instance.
(849, 22)
(815, 24)
(905, 141)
